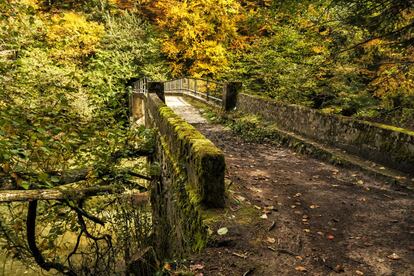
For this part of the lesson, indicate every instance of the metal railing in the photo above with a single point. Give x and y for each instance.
(208, 90)
(141, 86)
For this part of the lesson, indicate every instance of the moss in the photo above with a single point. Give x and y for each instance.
(200, 241)
(187, 200)
(204, 146)
(247, 214)
(212, 216)
(389, 127)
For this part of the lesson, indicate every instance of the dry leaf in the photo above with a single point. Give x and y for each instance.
(196, 267)
(393, 256)
(330, 237)
(270, 240)
(240, 198)
(167, 266)
(270, 208)
(264, 216)
(357, 272)
(300, 268)
(339, 268)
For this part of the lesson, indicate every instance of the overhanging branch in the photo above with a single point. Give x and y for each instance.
(68, 193)
(31, 240)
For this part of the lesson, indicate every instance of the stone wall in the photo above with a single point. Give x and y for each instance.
(191, 178)
(387, 145)
(197, 157)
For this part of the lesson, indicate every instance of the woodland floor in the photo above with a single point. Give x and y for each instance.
(319, 219)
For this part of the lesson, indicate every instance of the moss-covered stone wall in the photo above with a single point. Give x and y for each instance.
(198, 158)
(191, 179)
(387, 145)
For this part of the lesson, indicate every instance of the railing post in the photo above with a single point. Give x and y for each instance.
(230, 91)
(207, 90)
(157, 88)
(195, 87)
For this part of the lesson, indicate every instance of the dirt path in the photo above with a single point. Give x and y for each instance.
(289, 214)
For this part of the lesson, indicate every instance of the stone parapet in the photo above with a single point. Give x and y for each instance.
(391, 146)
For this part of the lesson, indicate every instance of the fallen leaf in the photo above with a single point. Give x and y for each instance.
(240, 198)
(319, 233)
(393, 256)
(300, 268)
(167, 266)
(306, 230)
(196, 267)
(314, 206)
(339, 268)
(270, 208)
(270, 240)
(359, 272)
(330, 237)
(264, 216)
(297, 195)
(222, 231)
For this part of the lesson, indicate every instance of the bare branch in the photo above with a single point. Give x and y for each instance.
(67, 193)
(31, 240)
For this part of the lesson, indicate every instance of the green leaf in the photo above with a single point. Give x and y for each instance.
(55, 179)
(25, 185)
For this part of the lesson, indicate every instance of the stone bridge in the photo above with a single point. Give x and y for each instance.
(192, 168)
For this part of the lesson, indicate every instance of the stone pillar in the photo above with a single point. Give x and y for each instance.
(137, 106)
(157, 88)
(231, 89)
